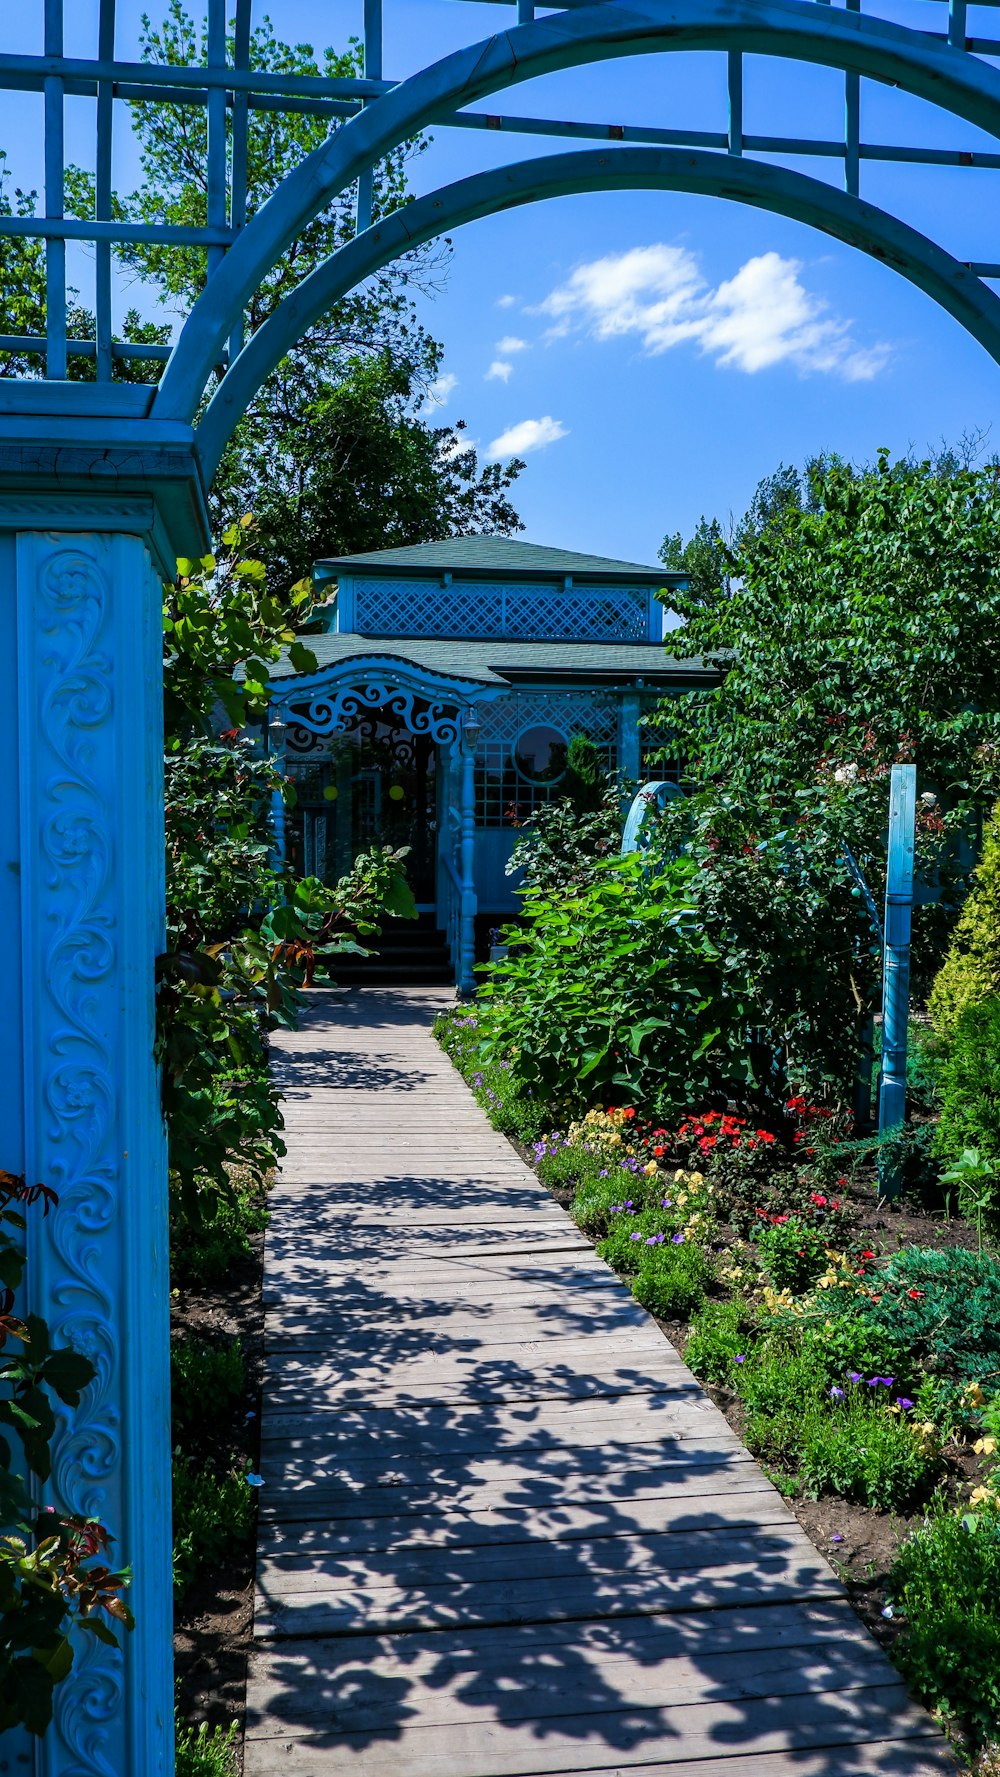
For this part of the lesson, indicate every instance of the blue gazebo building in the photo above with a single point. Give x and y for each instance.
(450, 679)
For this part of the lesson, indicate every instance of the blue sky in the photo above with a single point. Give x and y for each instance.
(654, 355)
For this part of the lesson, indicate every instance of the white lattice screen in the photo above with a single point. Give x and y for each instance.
(480, 611)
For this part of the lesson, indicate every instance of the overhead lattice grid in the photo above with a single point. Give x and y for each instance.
(227, 89)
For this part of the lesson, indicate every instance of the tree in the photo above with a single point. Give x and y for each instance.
(860, 629)
(704, 558)
(359, 469)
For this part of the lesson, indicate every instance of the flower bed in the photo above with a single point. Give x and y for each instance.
(855, 1347)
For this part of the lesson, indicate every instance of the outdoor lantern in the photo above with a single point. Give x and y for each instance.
(470, 729)
(276, 734)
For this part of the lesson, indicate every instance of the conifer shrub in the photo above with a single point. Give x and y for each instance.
(971, 970)
(970, 1083)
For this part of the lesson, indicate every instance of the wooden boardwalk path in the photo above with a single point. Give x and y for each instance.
(503, 1531)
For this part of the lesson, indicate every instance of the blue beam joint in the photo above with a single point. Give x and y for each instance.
(896, 967)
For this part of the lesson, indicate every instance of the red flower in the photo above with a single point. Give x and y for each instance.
(867, 1255)
(820, 1202)
(915, 1295)
(629, 1113)
(765, 1137)
(706, 1142)
(659, 1151)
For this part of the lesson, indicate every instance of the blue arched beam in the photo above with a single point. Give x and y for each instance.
(857, 223)
(793, 29)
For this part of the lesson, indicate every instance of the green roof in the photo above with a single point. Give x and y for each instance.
(504, 557)
(491, 663)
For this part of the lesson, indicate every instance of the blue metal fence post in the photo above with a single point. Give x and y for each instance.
(467, 854)
(81, 867)
(896, 961)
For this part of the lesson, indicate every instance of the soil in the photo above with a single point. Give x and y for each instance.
(213, 1623)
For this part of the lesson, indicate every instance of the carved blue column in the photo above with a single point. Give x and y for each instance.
(276, 731)
(82, 900)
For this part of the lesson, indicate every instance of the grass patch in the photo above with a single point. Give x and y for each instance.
(945, 1582)
(205, 1751)
(213, 1519)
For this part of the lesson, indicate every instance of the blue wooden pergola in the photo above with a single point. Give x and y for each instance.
(102, 484)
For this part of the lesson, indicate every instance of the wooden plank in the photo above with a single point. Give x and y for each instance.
(503, 1531)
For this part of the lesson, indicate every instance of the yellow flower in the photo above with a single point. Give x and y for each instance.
(651, 1170)
(984, 1446)
(982, 1496)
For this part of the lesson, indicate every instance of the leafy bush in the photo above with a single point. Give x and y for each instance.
(205, 1751)
(599, 1201)
(970, 1083)
(720, 1333)
(559, 850)
(865, 1452)
(205, 1251)
(945, 1581)
(633, 1236)
(213, 1518)
(205, 1381)
(793, 1252)
(615, 991)
(971, 970)
(672, 1280)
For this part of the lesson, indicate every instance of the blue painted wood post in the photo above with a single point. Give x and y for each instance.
(896, 961)
(467, 854)
(82, 904)
(276, 730)
(629, 742)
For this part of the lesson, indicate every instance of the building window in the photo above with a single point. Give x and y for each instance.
(539, 754)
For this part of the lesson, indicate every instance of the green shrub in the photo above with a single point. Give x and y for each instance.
(635, 1238)
(793, 1253)
(207, 1382)
(720, 1332)
(205, 1253)
(614, 992)
(205, 1751)
(862, 1451)
(672, 1280)
(942, 1309)
(971, 969)
(213, 1518)
(593, 1206)
(945, 1581)
(970, 1084)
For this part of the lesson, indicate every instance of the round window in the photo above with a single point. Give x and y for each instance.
(540, 754)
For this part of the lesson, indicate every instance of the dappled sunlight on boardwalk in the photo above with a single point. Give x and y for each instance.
(503, 1530)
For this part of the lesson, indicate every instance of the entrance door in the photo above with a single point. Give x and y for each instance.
(374, 785)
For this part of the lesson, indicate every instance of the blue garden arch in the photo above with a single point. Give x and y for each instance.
(103, 483)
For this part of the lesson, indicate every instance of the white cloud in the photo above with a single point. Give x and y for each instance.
(506, 302)
(761, 316)
(511, 344)
(499, 371)
(527, 435)
(439, 392)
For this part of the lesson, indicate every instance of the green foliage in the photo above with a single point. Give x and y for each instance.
(978, 1181)
(203, 1251)
(942, 1308)
(970, 1083)
(510, 1108)
(704, 558)
(560, 849)
(206, 1381)
(971, 969)
(672, 1280)
(779, 905)
(55, 1580)
(362, 469)
(720, 1332)
(945, 1581)
(793, 1253)
(865, 1453)
(613, 990)
(840, 657)
(205, 1751)
(213, 1518)
(632, 1236)
(592, 1207)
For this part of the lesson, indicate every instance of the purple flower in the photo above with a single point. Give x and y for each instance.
(655, 1239)
(635, 1236)
(836, 1537)
(901, 1401)
(678, 1239)
(740, 1358)
(664, 1202)
(255, 1480)
(854, 1375)
(603, 1172)
(836, 1394)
